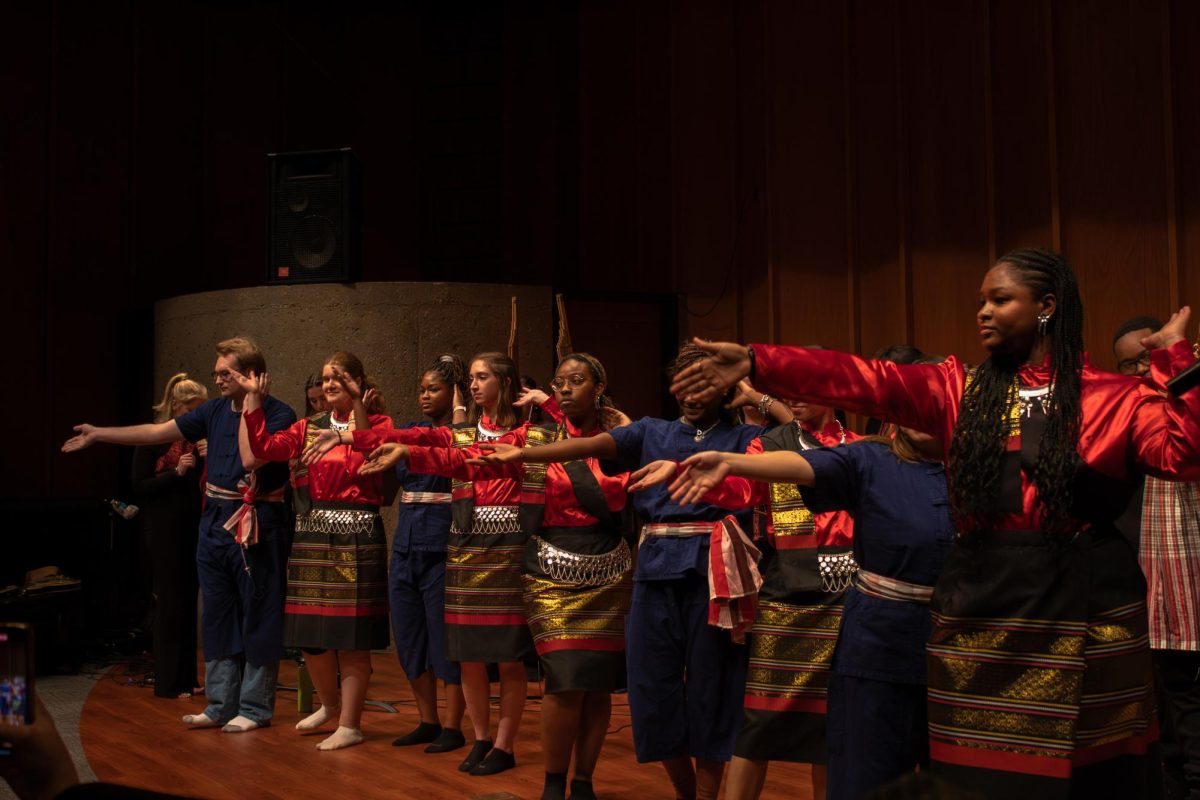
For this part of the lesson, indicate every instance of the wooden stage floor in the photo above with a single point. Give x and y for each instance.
(134, 738)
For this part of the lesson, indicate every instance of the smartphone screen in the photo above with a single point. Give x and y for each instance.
(16, 674)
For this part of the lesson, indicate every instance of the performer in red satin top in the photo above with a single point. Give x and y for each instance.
(577, 577)
(334, 614)
(485, 615)
(1039, 669)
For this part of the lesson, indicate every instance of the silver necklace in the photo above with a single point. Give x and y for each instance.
(1043, 396)
(338, 425)
(805, 445)
(700, 434)
(483, 434)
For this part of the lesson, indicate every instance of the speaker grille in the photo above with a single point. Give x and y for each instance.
(312, 230)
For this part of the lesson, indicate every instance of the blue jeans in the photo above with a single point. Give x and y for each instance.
(236, 687)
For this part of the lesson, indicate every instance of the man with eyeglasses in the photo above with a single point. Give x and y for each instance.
(1168, 521)
(242, 553)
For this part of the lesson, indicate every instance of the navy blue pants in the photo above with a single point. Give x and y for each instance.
(417, 598)
(242, 589)
(876, 732)
(686, 678)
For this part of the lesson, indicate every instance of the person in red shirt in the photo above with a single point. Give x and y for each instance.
(336, 609)
(577, 566)
(1040, 679)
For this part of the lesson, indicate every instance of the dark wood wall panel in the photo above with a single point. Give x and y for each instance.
(798, 170)
(1022, 154)
(1111, 160)
(879, 176)
(947, 160)
(806, 144)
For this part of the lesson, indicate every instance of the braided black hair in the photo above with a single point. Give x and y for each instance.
(977, 450)
(452, 371)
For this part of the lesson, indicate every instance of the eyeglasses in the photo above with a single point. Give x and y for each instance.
(223, 375)
(575, 380)
(1129, 366)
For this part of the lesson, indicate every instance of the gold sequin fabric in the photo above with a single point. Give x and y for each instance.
(791, 649)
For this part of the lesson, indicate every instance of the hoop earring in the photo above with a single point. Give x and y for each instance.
(1043, 324)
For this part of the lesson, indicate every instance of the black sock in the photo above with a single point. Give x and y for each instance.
(556, 786)
(478, 751)
(422, 734)
(449, 739)
(581, 789)
(496, 761)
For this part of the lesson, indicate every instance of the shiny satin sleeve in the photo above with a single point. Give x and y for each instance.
(736, 492)
(1165, 431)
(451, 462)
(279, 446)
(366, 441)
(920, 396)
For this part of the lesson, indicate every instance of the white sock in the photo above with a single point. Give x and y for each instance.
(318, 718)
(199, 721)
(240, 724)
(342, 737)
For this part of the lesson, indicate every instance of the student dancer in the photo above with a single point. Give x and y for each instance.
(243, 541)
(1039, 670)
(485, 619)
(336, 610)
(895, 488)
(685, 676)
(417, 573)
(807, 565)
(576, 571)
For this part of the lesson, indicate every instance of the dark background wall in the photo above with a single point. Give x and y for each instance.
(834, 172)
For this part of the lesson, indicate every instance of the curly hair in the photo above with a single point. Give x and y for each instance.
(977, 449)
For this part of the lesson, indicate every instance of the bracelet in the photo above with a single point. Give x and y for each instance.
(753, 364)
(460, 408)
(764, 404)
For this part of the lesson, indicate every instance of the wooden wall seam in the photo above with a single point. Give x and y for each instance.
(1174, 289)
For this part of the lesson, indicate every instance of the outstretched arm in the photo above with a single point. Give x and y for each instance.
(602, 445)
(921, 396)
(703, 477)
(1166, 430)
(158, 433)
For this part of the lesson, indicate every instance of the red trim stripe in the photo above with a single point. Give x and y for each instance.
(760, 703)
(326, 611)
(1004, 762)
(1130, 745)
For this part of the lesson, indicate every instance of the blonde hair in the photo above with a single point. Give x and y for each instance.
(180, 389)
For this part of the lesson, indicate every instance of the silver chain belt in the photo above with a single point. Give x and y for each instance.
(337, 521)
(584, 570)
(492, 519)
(837, 571)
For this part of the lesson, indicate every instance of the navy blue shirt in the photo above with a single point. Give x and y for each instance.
(217, 422)
(902, 530)
(421, 526)
(650, 439)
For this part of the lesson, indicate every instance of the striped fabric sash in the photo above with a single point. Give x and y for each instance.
(733, 579)
(733, 576)
(873, 585)
(243, 523)
(424, 497)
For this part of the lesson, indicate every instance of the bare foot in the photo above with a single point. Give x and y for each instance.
(342, 737)
(317, 718)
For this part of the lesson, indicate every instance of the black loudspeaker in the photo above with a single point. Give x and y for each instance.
(313, 229)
